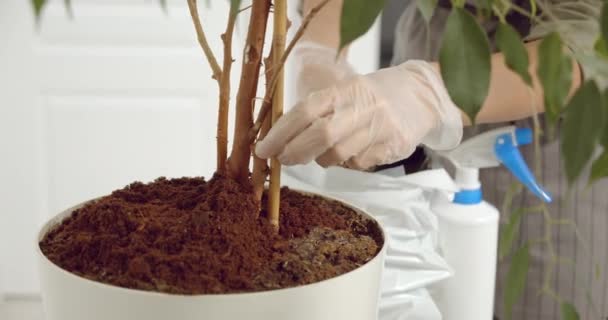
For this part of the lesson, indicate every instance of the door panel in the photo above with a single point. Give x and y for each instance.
(138, 138)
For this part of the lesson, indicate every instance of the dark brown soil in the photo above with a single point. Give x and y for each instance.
(189, 236)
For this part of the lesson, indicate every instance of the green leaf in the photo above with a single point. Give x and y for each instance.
(599, 169)
(604, 22)
(358, 16)
(555, 74)
(427, 8)
(516, 279)
(509, 233)
(583, 124)
(484, 5)
(163, 4)
(38, 5)
(512, 46)
(569, 312)
(604, 137)
(600, 47)
(465, 62)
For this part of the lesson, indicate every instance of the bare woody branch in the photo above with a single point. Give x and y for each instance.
(266, 106)
(222, 128)
(240, 156)
(202, 40)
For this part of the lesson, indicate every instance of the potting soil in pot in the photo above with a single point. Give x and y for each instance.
(189, 236)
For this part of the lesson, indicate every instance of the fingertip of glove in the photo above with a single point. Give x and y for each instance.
(287, 160)
(262, 150)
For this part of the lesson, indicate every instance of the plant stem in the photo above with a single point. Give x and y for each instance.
(507, 202)
(238, 163)
(260, 166)
(202, 40)
(548, 232)
(538, 133)
(222, 122)
(278, 43)
(279, 66)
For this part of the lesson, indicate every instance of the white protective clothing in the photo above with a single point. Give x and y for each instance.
(401, 205)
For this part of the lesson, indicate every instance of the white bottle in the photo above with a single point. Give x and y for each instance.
(468, 226)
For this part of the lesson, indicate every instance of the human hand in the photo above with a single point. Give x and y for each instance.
(318, 67)
(364, 121)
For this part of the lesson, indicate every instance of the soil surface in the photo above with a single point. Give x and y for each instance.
(190, 236)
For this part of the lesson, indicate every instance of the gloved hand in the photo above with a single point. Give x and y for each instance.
(317, 68)
(366, 120)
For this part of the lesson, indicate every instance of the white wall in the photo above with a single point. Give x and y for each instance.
(119, 93)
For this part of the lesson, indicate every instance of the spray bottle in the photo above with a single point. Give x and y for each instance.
(468, 226)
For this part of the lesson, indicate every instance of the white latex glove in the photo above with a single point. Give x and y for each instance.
(317, 68)
(364, 121)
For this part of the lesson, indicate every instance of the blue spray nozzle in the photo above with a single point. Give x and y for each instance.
(488, 150)
(523, 136)
(507, 153)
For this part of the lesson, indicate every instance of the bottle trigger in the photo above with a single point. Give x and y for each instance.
(509, 155)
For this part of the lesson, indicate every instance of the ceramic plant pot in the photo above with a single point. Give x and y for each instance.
(350, 296)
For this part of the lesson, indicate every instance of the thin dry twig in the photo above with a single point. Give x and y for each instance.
(202, 40)
(245, 8)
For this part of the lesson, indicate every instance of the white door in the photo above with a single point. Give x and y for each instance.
(118, 93)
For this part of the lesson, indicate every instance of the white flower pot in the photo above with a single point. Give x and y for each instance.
(66, 296)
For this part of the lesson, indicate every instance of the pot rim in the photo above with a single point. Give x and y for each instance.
(57, 219)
